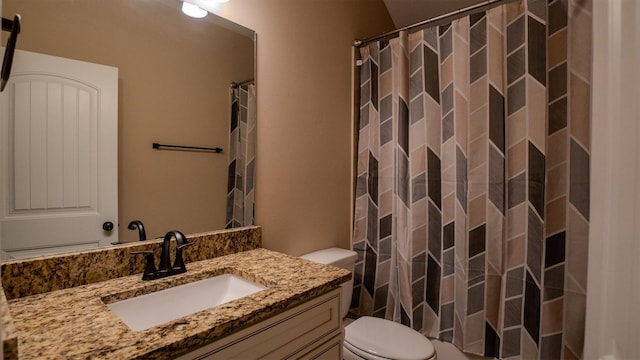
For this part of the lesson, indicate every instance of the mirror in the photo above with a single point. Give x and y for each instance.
(174, 77)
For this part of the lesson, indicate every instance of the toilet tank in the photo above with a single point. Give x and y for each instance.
(345, 259)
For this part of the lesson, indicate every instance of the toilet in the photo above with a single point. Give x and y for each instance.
(370, 337)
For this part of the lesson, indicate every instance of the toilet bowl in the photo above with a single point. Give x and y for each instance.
(368, 337)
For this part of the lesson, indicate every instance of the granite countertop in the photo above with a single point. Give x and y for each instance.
(75, 323)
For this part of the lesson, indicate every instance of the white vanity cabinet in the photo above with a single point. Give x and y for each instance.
(312, 330)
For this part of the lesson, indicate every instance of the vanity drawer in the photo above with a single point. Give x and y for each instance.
(286, 336)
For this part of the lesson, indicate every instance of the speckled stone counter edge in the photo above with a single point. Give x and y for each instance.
(55, 272)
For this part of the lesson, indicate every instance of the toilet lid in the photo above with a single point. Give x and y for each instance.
(387, 339)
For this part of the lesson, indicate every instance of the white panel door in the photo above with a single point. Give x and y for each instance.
(58, 135)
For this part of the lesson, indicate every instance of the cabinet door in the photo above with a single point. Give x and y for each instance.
(331, 350)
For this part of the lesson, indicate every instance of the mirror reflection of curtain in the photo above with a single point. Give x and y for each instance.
(240, 189)
(472, 200)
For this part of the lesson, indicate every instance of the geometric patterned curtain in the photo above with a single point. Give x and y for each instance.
(472, 197)
(240, 189)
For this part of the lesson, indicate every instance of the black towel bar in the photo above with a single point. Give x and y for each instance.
(180, 147)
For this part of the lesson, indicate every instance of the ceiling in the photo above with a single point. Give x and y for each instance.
(408, 12)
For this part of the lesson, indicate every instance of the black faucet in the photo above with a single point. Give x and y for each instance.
(137, 224)
(165, 268)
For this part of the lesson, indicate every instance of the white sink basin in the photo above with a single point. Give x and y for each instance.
(146, 311)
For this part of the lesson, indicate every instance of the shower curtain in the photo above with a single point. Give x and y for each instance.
(240, 186)
(472, 195)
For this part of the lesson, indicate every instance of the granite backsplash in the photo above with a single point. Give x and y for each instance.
(55, 272)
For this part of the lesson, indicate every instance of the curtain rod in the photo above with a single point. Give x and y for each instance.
(436, 20)
(246, 82)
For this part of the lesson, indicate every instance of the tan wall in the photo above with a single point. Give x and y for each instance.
(304, 115)
(174, 76)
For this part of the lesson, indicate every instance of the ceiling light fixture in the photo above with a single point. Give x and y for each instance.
(193, 10)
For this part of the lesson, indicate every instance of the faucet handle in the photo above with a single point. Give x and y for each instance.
(178, 263)
(150, 270)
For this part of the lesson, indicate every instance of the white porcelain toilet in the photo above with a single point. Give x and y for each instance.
(369, 337)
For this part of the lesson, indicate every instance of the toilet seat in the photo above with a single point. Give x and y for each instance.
(380, 339)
